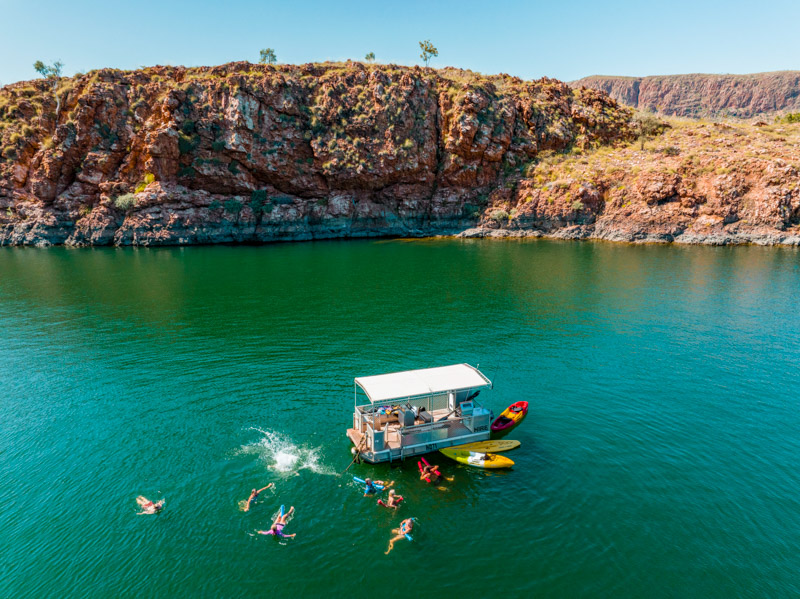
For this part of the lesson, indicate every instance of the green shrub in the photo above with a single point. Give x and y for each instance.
(125, 202)
(233, 166)
(577, 205)
(215, 205)
(471, 211)
(792, 117)
(187, 171)
(218, 146)
(187, 144)
(148, 179)
(188, 127)
(499, 215)
(257, 200)
(232, 206)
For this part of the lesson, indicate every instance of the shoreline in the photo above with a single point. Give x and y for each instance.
(764, 237)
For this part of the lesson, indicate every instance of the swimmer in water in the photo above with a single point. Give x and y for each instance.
(370, 488)
(392, 501)
(149, 507)
(406, 526)
(429, 475)
(254, 494)
(277, 527)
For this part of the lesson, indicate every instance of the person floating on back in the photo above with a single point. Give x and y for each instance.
(149, 507)
(404, 531)
(392, 501)
(253, 495)
(370, 487)
(277, 527)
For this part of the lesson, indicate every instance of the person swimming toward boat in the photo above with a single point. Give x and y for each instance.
(149, 507)
(254, 495)
(371, 486)
(402, 532)
(392, 501)
(277, 526)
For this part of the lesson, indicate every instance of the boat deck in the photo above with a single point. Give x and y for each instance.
(392, 438)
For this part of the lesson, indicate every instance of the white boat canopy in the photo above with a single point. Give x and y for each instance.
(428, 381)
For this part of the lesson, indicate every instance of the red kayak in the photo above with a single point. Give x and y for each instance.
(511, 417)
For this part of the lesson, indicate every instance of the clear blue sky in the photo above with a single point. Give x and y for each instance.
(566, 40)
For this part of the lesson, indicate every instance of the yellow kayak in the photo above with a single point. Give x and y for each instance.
(476, 458)
(487, 446)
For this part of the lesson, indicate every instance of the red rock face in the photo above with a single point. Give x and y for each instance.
(245, 152)
(741, 96)
(696, 183)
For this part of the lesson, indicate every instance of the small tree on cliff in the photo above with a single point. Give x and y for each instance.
(370, 57)
(268, 56)
(428, 51)
(51, 72)
(647, 125)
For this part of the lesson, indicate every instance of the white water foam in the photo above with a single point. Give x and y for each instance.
(280, 454)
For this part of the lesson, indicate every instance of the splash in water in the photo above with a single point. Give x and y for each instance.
(280, 454)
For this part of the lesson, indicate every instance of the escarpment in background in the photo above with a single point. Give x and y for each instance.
(256, 153)
(739, 96)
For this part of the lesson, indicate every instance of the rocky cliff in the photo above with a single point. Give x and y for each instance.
(710, 183)
(740, 96)
(249, 153)
(254, 153)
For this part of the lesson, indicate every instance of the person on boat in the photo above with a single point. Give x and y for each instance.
(392, 501)
(406, 526)
(254, 495)
(370, 488)
(149, 507)
(277, 527)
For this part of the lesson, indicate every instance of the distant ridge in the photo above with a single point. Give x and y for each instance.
(703, 95)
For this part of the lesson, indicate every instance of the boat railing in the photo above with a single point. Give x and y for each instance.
(435, 431)
(372, 420)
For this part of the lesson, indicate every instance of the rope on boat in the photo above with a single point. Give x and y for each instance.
(357, 457)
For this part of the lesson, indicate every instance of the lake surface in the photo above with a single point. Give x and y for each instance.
(660, 457)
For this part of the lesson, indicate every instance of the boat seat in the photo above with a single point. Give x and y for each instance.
(425, 416)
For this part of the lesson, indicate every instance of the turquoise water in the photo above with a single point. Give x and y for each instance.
(659, 458)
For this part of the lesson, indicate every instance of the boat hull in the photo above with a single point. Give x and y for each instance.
(409, 451)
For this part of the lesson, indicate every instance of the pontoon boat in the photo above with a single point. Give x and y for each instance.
(418, 411)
